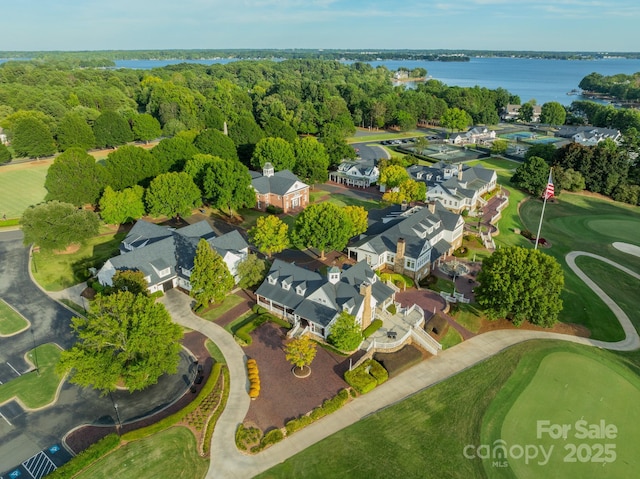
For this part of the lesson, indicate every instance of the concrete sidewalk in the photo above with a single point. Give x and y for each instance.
(228, 462)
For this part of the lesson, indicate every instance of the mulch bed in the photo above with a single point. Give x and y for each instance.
(401, 360)
(83, 437)
(283, 396)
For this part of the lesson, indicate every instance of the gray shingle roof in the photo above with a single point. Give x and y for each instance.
(278, 184)
(321, 300)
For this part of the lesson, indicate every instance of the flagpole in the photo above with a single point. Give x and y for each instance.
(546, 195)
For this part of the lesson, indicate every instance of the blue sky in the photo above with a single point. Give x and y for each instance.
(558, 25)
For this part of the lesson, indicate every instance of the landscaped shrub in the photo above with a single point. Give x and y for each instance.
(259, 309)
(378, 371)
(392, 308)
(254, 378)
(527, 234)
(274, 210)
(372, 328)
(360, 380)
(272, 437)
(245, 436)
(211, 423)
(461, 252)
(297, 424)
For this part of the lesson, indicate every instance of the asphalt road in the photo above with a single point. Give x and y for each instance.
(25, 433)
(49, 320)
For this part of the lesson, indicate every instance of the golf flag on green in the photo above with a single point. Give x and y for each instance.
(549, 190)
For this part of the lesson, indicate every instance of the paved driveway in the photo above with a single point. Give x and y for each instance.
(49, 320)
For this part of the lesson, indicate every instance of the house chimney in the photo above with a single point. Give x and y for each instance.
(432, 207)
(404, 205)
(367, 311)
(398, 263)
(459, 172)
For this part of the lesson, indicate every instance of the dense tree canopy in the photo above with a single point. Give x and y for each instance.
(456, 119)
(129, 166)
(521, 284)
(553, 113)
(312, 160)
(5, 154)
(145, 127)
(75, 177)
(532, 175)
(323, 226)
(216, 143)
(358, 218)
(118, 207)
(55, 225)
(276, 151)
(173, 153)
(172, 194)
(251, 271)
(32, 138)
(392, 176)
(111, 129)
(126, 339)
(74, 131)
(227, 185)
(129, 280)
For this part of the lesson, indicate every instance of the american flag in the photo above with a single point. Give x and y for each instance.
(549, 190)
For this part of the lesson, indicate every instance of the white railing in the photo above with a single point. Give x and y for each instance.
(425, 340)
(292, 332)
(392, 286)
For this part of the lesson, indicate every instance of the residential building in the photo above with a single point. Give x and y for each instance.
(165, 255)
(312, 300)
(475, 135)
(512, 112)
(409, 241)
(281, 189)
(588, 135)
(456, 186)
(361, 173)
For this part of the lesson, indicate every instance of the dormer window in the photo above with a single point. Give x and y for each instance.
(286, 284)
(301, 289)
(272, 279)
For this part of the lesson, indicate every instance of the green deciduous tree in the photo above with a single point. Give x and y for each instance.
(32, 138)
(210, 277)
(456, 119)
(145, 127)
(130, 280)
(553, 113)
(111, 129)
(521, 284)
(251, 271)
(5, 154)
(227, 185)
(300, 352)
(345, 333)
(74, 131)
(74, 177)
(118, 207)
(323, 226)
(532, 175)
(270, 235)
(277, 128)
(172, 194)
(276, 151)
(408, 192)
(126, 339)
(173, 153)
(525, 113)
(216, 143)
(393, 176)
(55, 225)
(359, 219)
(312, 160)
(130, 165)
(499, 146)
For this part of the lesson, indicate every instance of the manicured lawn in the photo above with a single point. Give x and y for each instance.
(469, 316)
(55, 272)
(606, 393)
(585, 223)
(451, 338)
(344, 200)
(35, 389)
(383, 135)
(215, 352)
(217, 310)
(169, 454)
(21, 186)
(510, 219)
(249, 217)
(10, 321)
(495, 163)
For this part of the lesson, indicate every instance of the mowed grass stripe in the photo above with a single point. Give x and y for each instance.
(21, 188)
(170, 454)
(10, 321)
(602, 394)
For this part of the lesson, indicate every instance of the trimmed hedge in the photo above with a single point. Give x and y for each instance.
(246, 435)
(329, 406)
(372, 328)
(211, 423)
(272, 437)
(297, 424)
(87, 457)
(365, 381)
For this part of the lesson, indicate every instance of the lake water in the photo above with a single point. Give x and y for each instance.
(536, 78)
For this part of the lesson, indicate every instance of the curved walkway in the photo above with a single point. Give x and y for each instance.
(228, 462)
